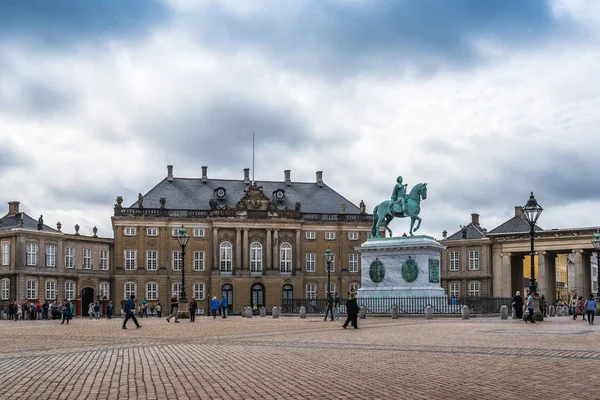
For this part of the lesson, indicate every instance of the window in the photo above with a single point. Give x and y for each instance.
(198, 232)
(130, 231)
(311, 291)
(198, 261)
(454, 289)
(104, 290)
(454, 261)
(310, 235)
(87, 258)
(255, 258)
(285, 258)
(175, 232)
(50, 290)
(353, 262)
(369, 235)
(31, 255)
(103, 260)
(473, 260)
(310, 262)
(50, 256)
(151, 231)
(177, 260)
(70, 290)
(330, 289)
(199, 291)
(130, 260)
(5, 289)
(152, 260)
(31, 289)
(129, 289)
(225, 257)
(354, 286)
(5, 253)
(352, 235)
(177, 289)
(69, 257)
(329, 235)
(474, 289)
(152, 291)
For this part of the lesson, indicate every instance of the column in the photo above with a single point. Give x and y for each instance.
(583, 277)
(502, 275)
(275, 248)
(543, 272)
(245, 249)
(298, 250)
(268, 250)
(216, 266)
(238, 248)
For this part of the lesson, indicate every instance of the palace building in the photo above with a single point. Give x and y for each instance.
(254, 242)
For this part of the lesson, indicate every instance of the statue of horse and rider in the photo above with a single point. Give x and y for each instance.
(401, 205)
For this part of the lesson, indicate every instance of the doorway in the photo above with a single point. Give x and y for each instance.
(87, 297)
(227, 291)
(258, 295)
(287, 298)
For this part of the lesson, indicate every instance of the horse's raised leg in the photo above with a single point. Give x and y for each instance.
(419, 224)
(412, 223)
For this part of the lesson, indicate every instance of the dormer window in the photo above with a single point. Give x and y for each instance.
(220, 193)
(279, 194)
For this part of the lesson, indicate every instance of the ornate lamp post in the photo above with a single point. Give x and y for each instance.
(532, 211)
(328, 260)
(183, 238)
(596, 243)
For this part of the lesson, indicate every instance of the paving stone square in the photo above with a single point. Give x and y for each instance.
(293, 358)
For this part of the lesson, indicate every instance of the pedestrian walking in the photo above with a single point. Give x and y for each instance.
(329, 308)
(97, 310)
(530, 305)
(66, 311)
(45, 308)
(109, 310)
(224, 304)
(352, 311)
(193, 307)
(174, 309)
(214, 306)
(336, 306)
(130, 312)
(573, 306)
(91, 310)
(590, 307)
(159, 310)
(518, 305)
(580, 308)
(543, 305)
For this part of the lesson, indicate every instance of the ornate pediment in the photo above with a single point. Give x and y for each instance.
(255, 200)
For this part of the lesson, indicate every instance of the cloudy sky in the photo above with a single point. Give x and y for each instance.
(483, 100)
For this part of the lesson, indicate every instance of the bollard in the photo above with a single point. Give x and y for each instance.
(551, 311)
(565, 311)
(504, 312)
(248, 312)
(362, 313)
(302, 312)
(465, 312)
(429, 312)
(244, 312)
(275, 312)
(514, 313)
(559, 311)
(395, 312)
(263, 312)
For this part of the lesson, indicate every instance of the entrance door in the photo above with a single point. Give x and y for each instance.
(287, 298)
(87, 297)
(227, 291)
(258, 295)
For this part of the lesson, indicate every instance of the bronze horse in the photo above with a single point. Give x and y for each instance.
(413, 208)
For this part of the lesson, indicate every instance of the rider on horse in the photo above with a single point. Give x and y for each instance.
(398, 196)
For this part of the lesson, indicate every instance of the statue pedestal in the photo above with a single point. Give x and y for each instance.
(405, 266)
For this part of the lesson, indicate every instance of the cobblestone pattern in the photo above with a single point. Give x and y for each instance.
(293, 358)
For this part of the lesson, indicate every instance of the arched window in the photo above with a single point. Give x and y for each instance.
(255, 257)
(69, 290)
(130, 289)
(226, 257)
(51, 290)
(152, 291)
(5, 289)
(285, 258)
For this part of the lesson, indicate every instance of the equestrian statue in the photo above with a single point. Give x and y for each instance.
(401, 205)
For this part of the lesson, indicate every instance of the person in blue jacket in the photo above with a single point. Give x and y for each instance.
(224, 306)
(129, 312)
(214, 306)
(590, 307)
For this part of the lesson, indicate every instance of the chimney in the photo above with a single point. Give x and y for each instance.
(320, 178)
(204, 176)
(288, 180)
(475, 219)
(13, 208)
(170, 173)
(518, 211)
(246, 175)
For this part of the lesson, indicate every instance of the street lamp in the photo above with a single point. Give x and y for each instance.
(328, 259)
(531, 212)
(183, 238)
(596, 243)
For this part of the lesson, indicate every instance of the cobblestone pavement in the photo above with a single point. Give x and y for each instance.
(293, 358)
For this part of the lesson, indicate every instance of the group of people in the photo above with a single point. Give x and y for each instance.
(577, 306)
(26, 310)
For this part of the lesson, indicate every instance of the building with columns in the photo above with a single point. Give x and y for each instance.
(497, 262)
(254, 242)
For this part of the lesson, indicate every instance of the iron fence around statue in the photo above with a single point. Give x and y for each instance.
(406, 305)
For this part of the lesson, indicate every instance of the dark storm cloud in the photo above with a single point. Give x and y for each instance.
(331, 37)
(60, 22)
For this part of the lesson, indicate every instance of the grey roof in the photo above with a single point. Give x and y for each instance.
(28, 223)
(193, 194)
(514, 225)
(473, 232)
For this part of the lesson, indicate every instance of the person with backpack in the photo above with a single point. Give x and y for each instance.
(590, 307)
(130, 312)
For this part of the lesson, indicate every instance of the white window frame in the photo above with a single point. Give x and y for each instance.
(225, 257)
(199, 260)
(199, 291)
(176, 288)
(175, 232)
(311, 291)
(129, 288)
(473, 260)
(352, 262)
(454, 257)
(285, 258)
(198, 232)
(5, 289)
(129, 231)
(352, 235)
(474, 289)
(152, 291)
(177, 260)
(330, 289)
(130, 260)
(31, 254)
(69, 257)
(87, 258)
(354, 286)
(51, 290)
(151, 231)
(5, 253)
(454, 289)
(311, 263)
(329, 235)
(103, 260)
(152, 260)
(31, 286)
(50, 255)
(256, 258)
(310, 235)
(70, 290)
(104, 290)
